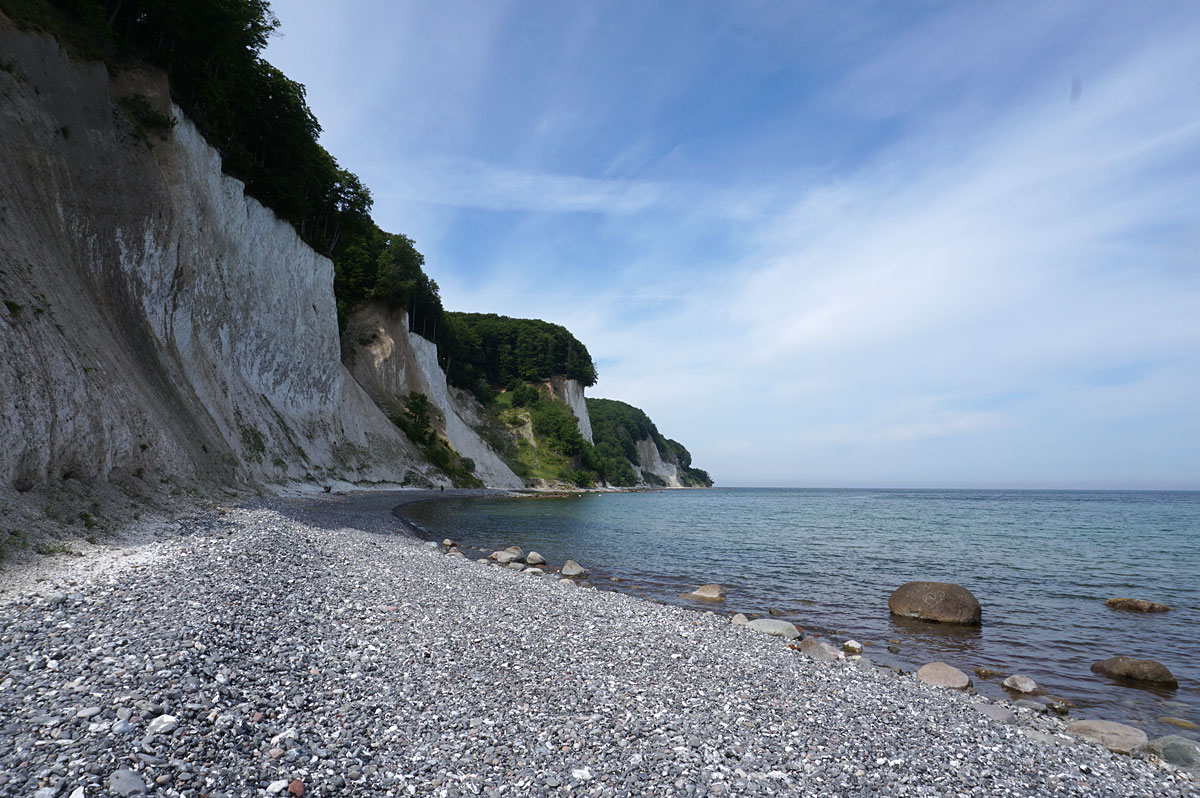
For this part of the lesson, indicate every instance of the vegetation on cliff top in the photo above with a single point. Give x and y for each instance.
(620, 426)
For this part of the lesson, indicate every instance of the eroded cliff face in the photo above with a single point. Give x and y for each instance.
(154, 318)
(390, 362)
(571, 393)
(651, 462)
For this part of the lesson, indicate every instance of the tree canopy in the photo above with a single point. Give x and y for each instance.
(504, 352)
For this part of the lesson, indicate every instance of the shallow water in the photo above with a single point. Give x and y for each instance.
(1041, 563)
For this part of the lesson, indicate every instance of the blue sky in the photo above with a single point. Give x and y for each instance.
(821, 244)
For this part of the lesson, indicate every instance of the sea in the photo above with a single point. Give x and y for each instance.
(1041, 563)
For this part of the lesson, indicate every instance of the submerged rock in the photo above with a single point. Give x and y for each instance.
(572, 568)
(941, 602)
(940, 674)
(1113, 736)
(988, 673)
(852, 647)
(1180, 722)
(770, 626)
(1136, 605)
(1021, 684)
(1147, 671)
(706, 593)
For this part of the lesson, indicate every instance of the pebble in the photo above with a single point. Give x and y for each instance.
(381, 670)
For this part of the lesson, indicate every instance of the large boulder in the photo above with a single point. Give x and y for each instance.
(1136, 605)
(1146, 671)
(777, 628)
(1113, 736)
(706, 593)
(941, 602)
(939, 674)
(1177, 750)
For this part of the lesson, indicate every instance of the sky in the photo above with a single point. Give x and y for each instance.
(849, 244)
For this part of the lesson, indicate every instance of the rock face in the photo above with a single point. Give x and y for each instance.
(706, 593)
(1147, 671)
(571, 393)
(161, 321)
(395, 362)
(1136, 605)
(941, 602)
(651, 462)
(939, 674)
(776, 628)
(1113, 736)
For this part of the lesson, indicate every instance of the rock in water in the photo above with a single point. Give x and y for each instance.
(706, 593)
(852, 647)
(1136, 605)
(572, 568)
(1021, 684)
(939, 674)
(1113, 736)
(505, 557)
(941, 602)
(535, 559)
(777, 628)
(1180, 722)
(1179, 751)
(1137, 670)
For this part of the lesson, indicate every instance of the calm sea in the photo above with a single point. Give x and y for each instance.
(1041, 563)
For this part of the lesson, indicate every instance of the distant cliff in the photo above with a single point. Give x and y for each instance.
(655, 459)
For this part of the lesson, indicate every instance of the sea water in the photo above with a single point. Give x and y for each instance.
(1042, 564)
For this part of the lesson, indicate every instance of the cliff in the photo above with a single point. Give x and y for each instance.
(156, 320)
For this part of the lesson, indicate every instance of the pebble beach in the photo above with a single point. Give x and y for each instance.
(307, 646)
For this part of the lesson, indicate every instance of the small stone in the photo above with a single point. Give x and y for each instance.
(1021, 684)
(76, 793)
(276, 787)
(123, 727)
(275, 753)
(739, 620)
(504, 557)
(997, 713)
(535, 559)
(533, 571)
(125, 782)
(296, 787)
(163, 724)
(812, 647)
(1114, 736)
(572, 568)
(88, 712)
(940, 674)
(1032, 706)
(852, 647)
(582, 774)
(515, 566)
(448, 543)
(776, 628)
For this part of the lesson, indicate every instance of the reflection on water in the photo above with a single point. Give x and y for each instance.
(1041, 563)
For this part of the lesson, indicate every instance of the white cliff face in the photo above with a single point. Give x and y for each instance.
(571, 392)
(396, 362)
(649, 461)
(157, 318)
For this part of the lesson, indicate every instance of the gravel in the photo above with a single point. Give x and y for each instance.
(301, 646)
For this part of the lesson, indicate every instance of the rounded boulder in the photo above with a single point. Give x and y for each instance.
(706, 593)
(1136, 605)
(941, 602)
(940, 674)
(1147, 671)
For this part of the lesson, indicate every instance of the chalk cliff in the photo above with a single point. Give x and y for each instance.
(154, 318)
(571, 393)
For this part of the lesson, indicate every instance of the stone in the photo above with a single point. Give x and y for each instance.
(515, 566)
(852, 647)
(533, 571)
(1114, 736)
(163, 724)
(1176, 750)
(448, 543)
(706, 593)
(1180, 722)
(939, 674)
(941, 602)
(277, 786)
(123, 727)
(572, 568)
(997, 713)
(1147, 671)
(296, 788)
(504, 557)
(776, 628)
(739, 620)
(988, 673)
(1021, 684)
(517, 550)
(88, 712)
(1032, 706)
(535, 559)
(811, 647)
(565, 581)
(1136, 605)
(125, 782)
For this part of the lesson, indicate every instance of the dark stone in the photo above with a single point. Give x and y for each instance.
(1137, 670)
(1136, 605)
(941, 602)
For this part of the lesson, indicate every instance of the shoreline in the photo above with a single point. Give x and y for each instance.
(292, 625)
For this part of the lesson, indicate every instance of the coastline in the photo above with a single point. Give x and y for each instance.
(303, 639)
